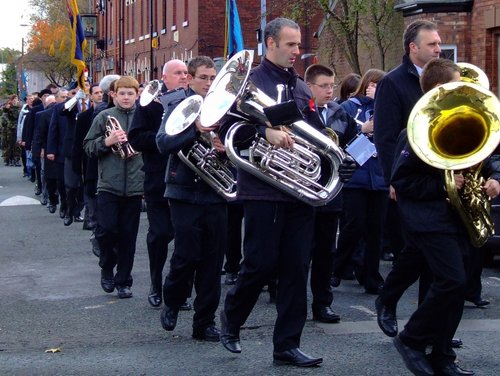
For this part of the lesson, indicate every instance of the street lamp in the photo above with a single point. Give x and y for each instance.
(21, 83)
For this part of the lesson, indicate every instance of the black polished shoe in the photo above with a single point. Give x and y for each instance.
(415, 360)
(210, 334)
(452, 369)
(43, 201)
(326, 315)
(87, 226)
(295, 357)
(168, 318)
(154, 297)
(335, 281)
(38, 191)
(68, 220)
(479, 302)
(387, 256)
(107, 283)
(79, 218)
(231, 279)
(456, 343)
(62, 212)
(52, 209)
(186, 306)
(386, 318)
(124, 292)
(230, 340)
(95, 246)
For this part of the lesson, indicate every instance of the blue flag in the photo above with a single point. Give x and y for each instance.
(235, 36)
(78, 42)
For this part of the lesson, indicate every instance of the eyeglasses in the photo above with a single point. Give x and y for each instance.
(326, 86)
(206, 78)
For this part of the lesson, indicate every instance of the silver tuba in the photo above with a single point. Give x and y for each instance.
(123, 149)
(300, 172)
(201, 157)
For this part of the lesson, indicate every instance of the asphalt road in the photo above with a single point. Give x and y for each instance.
(50, 298)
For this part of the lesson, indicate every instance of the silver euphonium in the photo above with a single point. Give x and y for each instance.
(300, 172)
(123, 149)
(201, 157)
(151, 92)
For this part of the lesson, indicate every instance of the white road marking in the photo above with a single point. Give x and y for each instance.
(19, 200)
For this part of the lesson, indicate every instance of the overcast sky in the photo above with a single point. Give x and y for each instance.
(11, 33)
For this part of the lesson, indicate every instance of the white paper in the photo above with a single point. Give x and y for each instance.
(361, 149)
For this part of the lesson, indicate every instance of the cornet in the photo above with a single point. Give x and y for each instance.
(123, 149)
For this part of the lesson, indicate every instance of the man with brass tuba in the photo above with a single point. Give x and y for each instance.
(434, 228)
(278, 227)
(119, 190)
(142, 137)
(197, 214)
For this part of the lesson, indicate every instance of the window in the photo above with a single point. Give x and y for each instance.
(449, 51)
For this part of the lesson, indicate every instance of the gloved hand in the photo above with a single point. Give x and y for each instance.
(347, 168)
(80, 94)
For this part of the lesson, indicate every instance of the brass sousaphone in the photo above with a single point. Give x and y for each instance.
(308, 172)
(454, 127)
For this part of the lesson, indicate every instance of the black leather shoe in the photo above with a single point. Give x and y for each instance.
(186, 306)
(210, 334)
(230, 340)
(107, 283)
(231, 279)
(479, 302)
(335, 281)
(124, 292)
(387, 256)
(87, 226)
(295, 357)
(154, 297)
(62, 212)
(38, 191)
(168, 318)
(68, 220)
(79, 218)
(456, 343)
(43, 201)
(452, 369)
(52, 209)
(325, 314)
(386, 318)
(415, 360)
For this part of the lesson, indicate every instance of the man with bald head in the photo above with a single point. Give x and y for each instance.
(142, 137)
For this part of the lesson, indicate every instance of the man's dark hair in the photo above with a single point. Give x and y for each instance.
(92, 87)
(411, 33)
(274, 27)
(315, 70)
(199, 61)
(437, 72)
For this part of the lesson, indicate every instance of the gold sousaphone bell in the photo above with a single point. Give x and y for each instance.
(454, 127)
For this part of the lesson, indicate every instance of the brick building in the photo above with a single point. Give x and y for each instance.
(136, 37)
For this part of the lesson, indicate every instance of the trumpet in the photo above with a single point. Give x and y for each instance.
(123, 149)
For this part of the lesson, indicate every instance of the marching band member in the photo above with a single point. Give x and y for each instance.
(120, 190)
(197, 214)
(278, 228)
(142, 137)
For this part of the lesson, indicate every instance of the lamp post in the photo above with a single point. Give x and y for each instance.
(21, 84)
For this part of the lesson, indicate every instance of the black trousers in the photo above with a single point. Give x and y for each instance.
(116, 232)
(437, 317)
(325, 235)
(234, 236)
(160, 233)
(197, 258)
(363, 217)
(277, 243)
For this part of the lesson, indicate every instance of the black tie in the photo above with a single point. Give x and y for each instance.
(321, 109)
